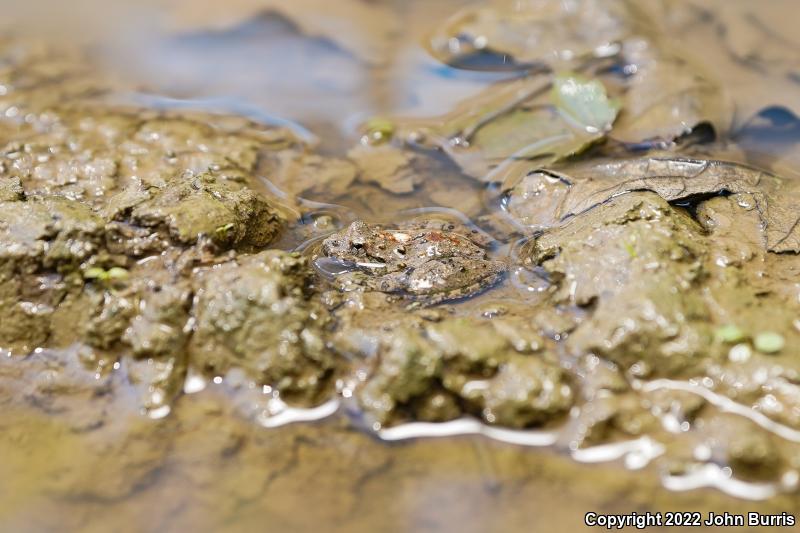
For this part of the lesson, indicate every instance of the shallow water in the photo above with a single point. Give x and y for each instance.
(79, 454)
(208, 467)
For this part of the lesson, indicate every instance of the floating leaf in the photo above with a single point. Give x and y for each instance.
(585, 102)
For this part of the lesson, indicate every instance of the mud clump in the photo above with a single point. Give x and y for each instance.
(444, 369)
(256, 314)
(637, 262)
(192, 206)
(87, 189)
(48, 232)
(40, 236)
(11, 190)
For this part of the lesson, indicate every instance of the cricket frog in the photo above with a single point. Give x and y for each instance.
(426, 262)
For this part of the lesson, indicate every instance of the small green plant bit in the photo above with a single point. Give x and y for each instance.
(222, 231)
(769, 342)
(729, 333)
(103, 275)
(631, 249)
(378, 130)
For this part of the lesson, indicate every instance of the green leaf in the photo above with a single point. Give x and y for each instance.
(222, 231)
(769, 342)
(584, 102)
(95, 273)
(729, 333)
(103, 275)
(378, 130)
(117, 273)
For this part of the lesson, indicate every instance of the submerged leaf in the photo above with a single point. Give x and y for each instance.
(757, 35)
(585, 186)
(662, 96)
(365, 29)
(509, 122)
(658, 99)
(585, 102)
(303, 173)
(386, 166)
(753, 48)
(666, 97)
(519, 35)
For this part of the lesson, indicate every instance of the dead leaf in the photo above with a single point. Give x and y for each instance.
(579, 188)
(666, 96)
(299, 173)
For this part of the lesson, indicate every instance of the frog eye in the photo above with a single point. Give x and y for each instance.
(400, 251)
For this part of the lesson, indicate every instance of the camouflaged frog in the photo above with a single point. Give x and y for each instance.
(425, 262)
